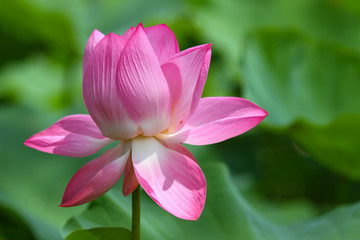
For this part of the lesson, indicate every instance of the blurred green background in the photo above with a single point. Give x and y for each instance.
(295, 176)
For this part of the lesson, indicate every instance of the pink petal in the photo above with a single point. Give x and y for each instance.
(172, 179)
(96, 177)
(163, 41)
(73, 136)
(142, 85)
(94, 39)
(218, 119)
(177, 147)
(129, 32)
(130, 182)
(186, 74)
(100, 92)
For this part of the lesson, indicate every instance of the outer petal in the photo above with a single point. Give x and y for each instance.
(186, 74)
(96, 177)
(218, 119)
(163, 41)
(94, 39)
(73, 136)
(100, 92)
(130, 182)
(172, 179)
(142, 85)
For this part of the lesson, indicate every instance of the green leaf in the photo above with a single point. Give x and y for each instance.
(13, 226)
(336, 145)
(225, 23)
(100, 234)
(298, 80)
(227, 215)
(293, 77)
(28, 83)
(228, 21)
(18, 223)
(36, 30)
(32, 182)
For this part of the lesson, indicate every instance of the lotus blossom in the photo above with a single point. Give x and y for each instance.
(141, 91)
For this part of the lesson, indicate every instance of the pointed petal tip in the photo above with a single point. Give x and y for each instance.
(162, 25)
(36, 143)
(64, 205)
(96, 31)
(126, 192)
(140, 25)
(194, 217)
(265, 113)
(208, 45)
(75, 201)
(28, 142)
(113, 38)
(112, 35)
(71, 203)
(97, 34)
(67, 202)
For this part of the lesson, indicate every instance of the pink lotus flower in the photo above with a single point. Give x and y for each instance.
(142, 91)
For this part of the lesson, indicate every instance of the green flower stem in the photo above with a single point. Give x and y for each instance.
(136, 214)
